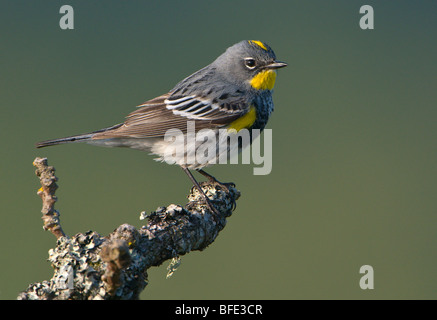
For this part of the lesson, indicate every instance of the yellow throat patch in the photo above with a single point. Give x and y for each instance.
(245, 121)
(264, 80)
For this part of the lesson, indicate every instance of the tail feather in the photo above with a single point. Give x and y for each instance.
(54, 142)
(77, 138)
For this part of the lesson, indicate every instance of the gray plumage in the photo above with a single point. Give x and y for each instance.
(212, 97)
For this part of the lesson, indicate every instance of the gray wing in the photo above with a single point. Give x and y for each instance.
(172, 111)
(192, 99)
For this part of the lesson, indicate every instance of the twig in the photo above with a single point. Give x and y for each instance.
(47, 191)
(89, 266)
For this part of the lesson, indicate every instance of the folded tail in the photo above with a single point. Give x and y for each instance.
(53, 142)
(78, 138)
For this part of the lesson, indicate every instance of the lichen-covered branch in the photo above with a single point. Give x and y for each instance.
(47, 191)
(90, 266)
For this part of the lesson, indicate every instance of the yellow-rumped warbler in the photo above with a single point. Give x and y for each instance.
(232, 93)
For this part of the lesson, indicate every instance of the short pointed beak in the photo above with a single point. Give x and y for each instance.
(276, 65)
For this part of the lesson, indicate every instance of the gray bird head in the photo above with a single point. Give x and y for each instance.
(243, 61)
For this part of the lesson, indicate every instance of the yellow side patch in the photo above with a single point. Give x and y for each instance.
(264, 80)
(259, 44)
(245, 121)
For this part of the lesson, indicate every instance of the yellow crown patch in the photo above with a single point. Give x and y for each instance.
(259, 44)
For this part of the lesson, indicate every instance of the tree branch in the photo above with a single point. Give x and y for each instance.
(47, 191)
(89, 266)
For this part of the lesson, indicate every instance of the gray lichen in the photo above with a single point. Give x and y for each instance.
(89, 266)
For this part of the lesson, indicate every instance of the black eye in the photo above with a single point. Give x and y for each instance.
(250, 63)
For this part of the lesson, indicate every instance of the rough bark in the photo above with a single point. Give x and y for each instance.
(90, 266)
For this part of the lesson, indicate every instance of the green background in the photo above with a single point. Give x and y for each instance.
(354, 142)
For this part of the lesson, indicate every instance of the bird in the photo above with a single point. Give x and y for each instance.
(231, 94)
